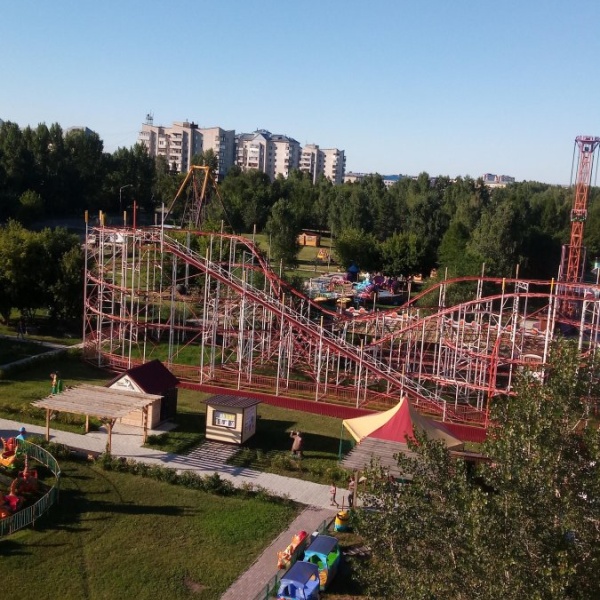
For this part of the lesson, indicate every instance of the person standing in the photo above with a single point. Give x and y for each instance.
(297, 444)
(21, 330)
(351, 491)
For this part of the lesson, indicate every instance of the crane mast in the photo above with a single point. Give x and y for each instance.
(573, 254)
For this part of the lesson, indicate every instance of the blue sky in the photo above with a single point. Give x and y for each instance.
(451, 87)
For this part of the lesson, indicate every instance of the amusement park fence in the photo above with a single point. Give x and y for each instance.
(270, 590)
(28, 515)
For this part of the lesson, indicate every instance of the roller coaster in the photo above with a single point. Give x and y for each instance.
(211, 308)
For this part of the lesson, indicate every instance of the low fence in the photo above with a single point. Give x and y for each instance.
(270, 590)
(28, 516)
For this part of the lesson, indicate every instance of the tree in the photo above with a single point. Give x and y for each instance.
(31, 207)
(402, 254)
(525, 524)
(283, 230)
(356, 246)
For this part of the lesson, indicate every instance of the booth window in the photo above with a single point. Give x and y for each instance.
(224, 419)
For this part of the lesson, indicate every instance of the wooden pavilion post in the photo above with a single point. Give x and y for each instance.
(110, 426)
(48, 411)
(145, 423)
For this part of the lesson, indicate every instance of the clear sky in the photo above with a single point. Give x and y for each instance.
(451, 87)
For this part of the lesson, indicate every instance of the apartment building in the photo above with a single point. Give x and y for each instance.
(180, 142)
(493, 180)
(273, 154)
(330, 162)
(177, 143)
(222, 143)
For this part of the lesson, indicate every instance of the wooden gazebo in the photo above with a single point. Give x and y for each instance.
(104, 403)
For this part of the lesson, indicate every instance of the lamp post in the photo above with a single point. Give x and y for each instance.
(121, 196)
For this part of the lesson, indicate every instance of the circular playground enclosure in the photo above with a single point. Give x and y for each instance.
(29, 484)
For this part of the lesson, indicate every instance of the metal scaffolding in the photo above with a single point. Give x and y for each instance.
(209, 306)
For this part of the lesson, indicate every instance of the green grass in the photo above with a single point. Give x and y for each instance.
(21, 386)
(12, 350)
(116, 535)
(269, 449)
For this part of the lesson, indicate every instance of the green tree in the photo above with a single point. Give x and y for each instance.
(356, 246)
(525, 524)
(401, 254)
(31, 207)
(283, 232)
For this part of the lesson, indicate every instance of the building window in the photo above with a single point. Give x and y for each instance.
(224, 419)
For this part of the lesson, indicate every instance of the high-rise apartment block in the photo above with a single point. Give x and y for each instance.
(273, 154)
(330, 162)
(493, 180)
(180, 142)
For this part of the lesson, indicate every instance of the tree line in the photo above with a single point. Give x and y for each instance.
(411, 227)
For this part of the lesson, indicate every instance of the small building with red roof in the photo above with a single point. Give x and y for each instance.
(150, 378)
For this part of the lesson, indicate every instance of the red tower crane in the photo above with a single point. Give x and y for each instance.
(573, 254)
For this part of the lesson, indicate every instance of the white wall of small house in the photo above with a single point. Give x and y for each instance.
(136, 417)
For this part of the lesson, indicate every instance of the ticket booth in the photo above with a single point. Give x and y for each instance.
(231, 419)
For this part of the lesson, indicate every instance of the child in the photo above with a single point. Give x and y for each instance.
(332, 493)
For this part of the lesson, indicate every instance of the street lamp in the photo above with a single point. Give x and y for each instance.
(121, 196)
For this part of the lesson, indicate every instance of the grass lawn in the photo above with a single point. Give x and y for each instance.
(269, 449)
(22, 386)
(12, 350)
(117, 535)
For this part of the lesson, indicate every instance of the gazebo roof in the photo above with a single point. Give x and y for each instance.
(96, 401)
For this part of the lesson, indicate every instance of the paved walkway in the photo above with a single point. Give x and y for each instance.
(205, 460)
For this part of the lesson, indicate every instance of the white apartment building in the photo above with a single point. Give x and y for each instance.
(492, 180)
(177, 143)
(330, 162)
(273, 154)
(222, 143)
(180, 142)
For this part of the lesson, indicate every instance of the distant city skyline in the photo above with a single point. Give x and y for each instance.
(450, 88)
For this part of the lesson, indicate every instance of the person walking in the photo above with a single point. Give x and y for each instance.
(332, 494)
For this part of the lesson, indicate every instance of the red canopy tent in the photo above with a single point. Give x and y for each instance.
(398, 425)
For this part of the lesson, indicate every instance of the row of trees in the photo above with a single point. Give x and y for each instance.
(524, 524)
(408, 228)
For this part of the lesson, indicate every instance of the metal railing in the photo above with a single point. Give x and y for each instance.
(28, 516)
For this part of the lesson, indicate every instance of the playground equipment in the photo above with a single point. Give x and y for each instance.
(324, 552)
(286, 557)
(342, 520)
(301, 582)
(9, 452)
(27, 479)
